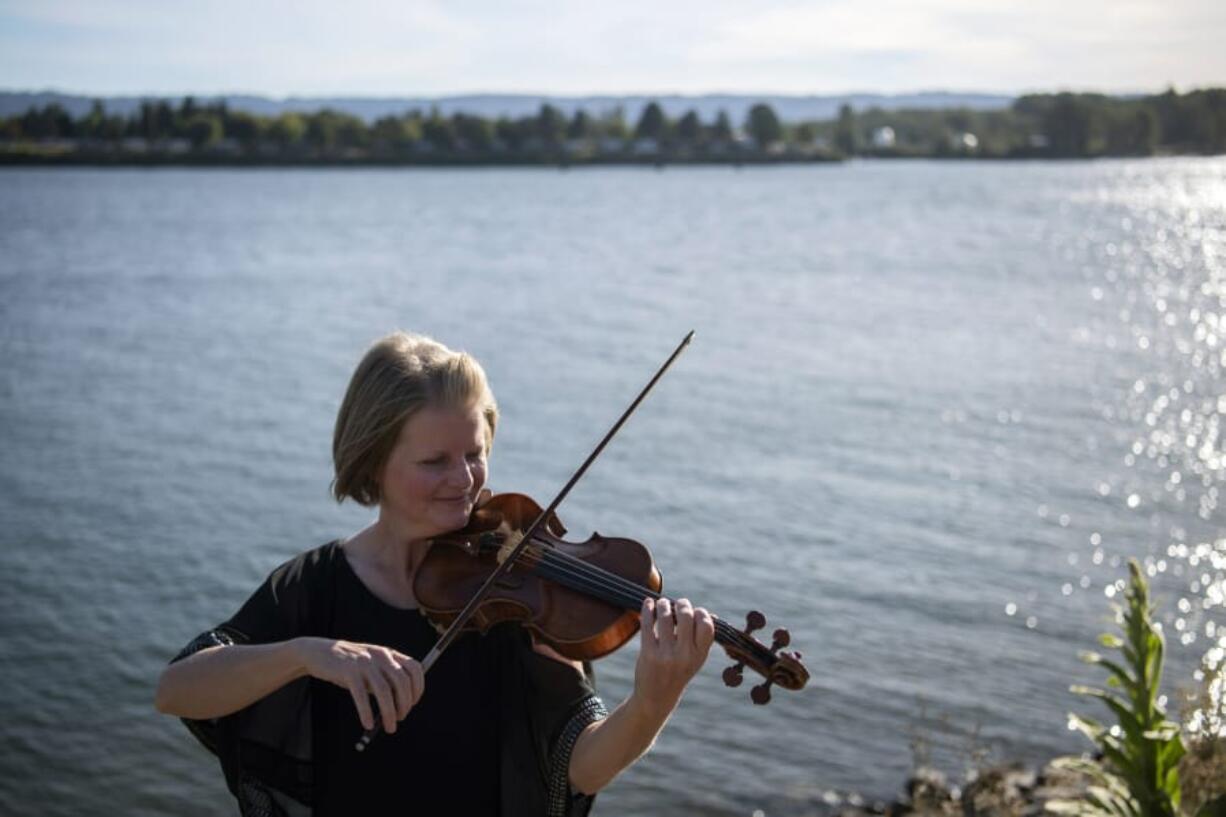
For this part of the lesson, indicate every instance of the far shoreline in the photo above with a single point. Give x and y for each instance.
(18, 160)
(23, 159)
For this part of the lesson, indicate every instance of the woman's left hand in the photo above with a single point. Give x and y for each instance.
(675, 640)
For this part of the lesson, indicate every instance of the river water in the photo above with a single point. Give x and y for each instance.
(930, 410)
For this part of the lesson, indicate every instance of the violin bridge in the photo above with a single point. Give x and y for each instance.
(510, 540)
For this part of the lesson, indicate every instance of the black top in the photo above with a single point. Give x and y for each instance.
(492, 734)
(443, 755)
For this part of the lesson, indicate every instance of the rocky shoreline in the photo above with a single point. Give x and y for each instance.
(1006, 790)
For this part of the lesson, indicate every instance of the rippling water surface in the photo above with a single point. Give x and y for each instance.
(929, 411)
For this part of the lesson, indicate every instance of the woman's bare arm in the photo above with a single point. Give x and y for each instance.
(219, 681)
(674, 645)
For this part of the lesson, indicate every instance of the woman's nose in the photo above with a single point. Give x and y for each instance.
(462, 475)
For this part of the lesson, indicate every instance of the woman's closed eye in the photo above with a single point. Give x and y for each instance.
(441, 459)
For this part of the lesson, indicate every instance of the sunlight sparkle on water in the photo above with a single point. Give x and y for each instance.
(1162, 277)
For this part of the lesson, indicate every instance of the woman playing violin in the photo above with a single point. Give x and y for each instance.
(329, 644)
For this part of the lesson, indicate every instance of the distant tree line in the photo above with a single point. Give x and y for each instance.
(193, 129)
(1037, 125)
(1061, 125)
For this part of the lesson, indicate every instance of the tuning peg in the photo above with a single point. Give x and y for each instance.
(733, 676)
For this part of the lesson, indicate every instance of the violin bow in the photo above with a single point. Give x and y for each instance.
(457, 625)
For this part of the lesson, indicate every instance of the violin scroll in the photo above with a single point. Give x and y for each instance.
(782, 668)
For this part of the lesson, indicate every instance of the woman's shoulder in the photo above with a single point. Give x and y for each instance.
(294, 594)
(307, 572)
(310, 562)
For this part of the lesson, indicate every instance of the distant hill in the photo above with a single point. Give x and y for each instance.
(789, 108)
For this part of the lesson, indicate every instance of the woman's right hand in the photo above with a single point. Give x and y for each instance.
(394, 679)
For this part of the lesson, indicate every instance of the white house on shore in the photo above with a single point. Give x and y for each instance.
(883, 138)
(967, 142)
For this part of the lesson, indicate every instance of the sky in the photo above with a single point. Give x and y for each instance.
(411, 48)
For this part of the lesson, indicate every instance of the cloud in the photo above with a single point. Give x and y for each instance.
(410, 48)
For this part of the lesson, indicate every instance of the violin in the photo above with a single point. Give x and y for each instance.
(580, 598)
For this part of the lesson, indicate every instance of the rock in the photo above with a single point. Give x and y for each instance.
(1006, 790)
(1055, 783)
(999, 791)
(928, 793)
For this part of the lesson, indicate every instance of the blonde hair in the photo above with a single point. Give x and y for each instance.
(399, 375)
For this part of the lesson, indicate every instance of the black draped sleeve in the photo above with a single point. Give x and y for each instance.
(546, 705)
(265, 749)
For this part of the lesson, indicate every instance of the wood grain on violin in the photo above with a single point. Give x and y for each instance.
(580, 598)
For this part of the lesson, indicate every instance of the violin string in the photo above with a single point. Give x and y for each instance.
(631, 591)
(634, 593)
(619, 590)
(615, 588)
(586, 577)
(581, 576)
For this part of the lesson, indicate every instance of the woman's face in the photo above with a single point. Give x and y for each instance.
(435, 471)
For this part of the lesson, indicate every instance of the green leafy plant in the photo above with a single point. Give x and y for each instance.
(1138, 775)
